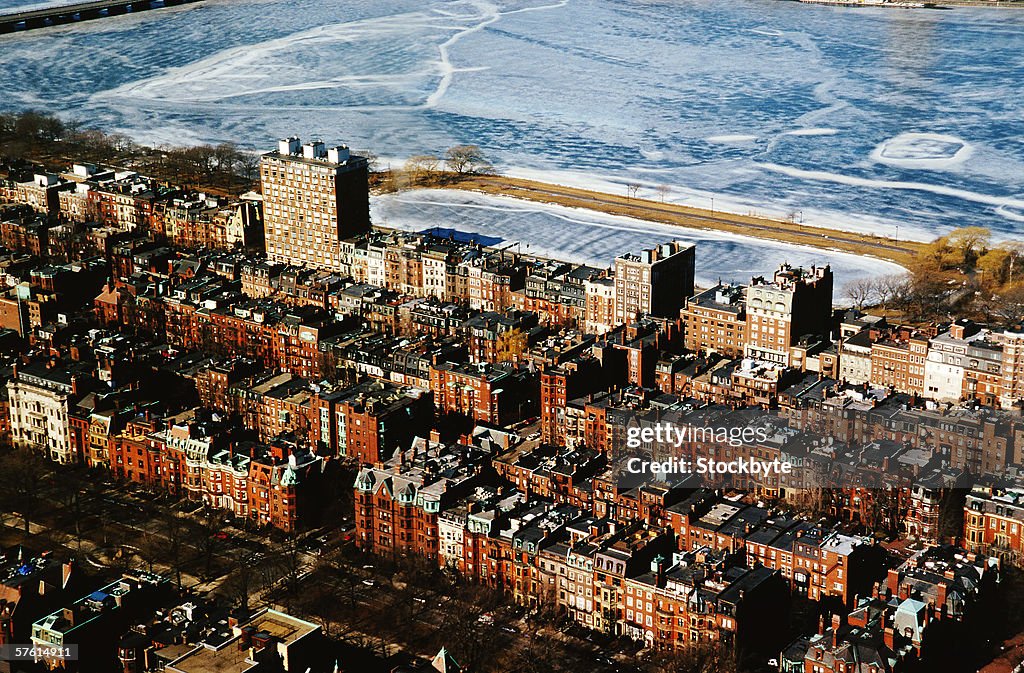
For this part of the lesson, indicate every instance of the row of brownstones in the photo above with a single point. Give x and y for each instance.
(668, 564)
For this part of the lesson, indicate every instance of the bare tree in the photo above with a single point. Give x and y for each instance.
(466, 159)
(205, 536)
(422, 169)
(172, 530)
(24, 471)
(860, 291)
(663, 192)
(894, 290)
(242, 580)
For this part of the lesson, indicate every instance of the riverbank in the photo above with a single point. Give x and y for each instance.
(880, 247)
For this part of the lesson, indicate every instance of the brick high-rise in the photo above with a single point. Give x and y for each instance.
(313, 197)
(794, 303)
(655, 282)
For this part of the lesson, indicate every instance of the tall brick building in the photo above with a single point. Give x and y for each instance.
(313, 198)
(794, 303)
(655, 281)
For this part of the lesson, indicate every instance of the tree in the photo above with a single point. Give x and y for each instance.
(121, 143)
(172, 530)
(289, 560)
(1007, 305)
(701, 658)
(24, 471)
(893, 290)
(206, 540)
(422, 168)
(248, 165)
(969, 242)
(240, 583)
(663, 192)
(860, 292)
(29, 125)
(466, 159)
(511, 345)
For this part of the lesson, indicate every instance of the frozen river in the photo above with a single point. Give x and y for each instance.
(859, 118)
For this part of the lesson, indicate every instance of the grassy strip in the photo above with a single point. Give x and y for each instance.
(889, 249)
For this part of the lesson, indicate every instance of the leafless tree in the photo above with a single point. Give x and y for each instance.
(463, 159)
(242, 581)
(422, 168)
(173, 532)
(860, 291)
(23, 471)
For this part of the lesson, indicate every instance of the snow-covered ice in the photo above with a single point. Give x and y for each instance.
(595, 238)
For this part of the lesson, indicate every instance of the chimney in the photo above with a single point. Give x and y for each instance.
(893, 580)
(837, 621)
(65, 575)
(889, 637)
(940, 597)
(821, 625)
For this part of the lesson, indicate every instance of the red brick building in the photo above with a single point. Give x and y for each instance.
(497, 395)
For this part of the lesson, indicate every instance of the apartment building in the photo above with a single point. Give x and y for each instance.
(898, 362)
(370, 421)
(41, 398)
(397, 504)
(715, 321)
(994, 523)
(654, 282)
(313, 197)
(794, 303)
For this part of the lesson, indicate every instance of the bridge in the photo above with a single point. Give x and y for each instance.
(83, 11)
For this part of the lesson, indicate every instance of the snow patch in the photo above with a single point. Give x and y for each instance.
(811, 132)
(734, 139)
(933, 151)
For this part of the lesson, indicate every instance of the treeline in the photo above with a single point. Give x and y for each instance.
(961, 274)
(52, 142)
(45, 139)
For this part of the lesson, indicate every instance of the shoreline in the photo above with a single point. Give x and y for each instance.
(900, 252)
